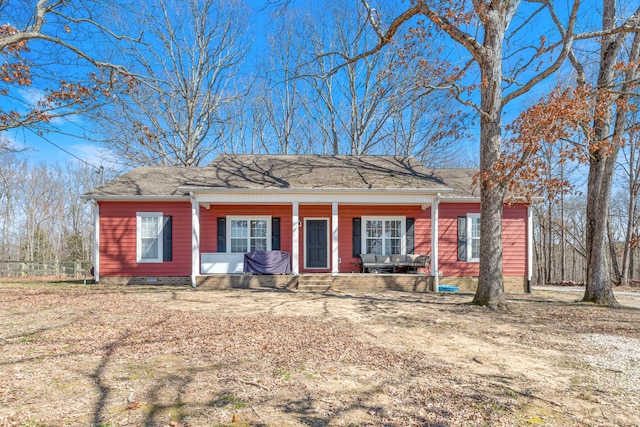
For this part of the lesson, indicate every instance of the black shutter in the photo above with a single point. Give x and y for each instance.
(462, 238)
(222, 235)
(357, 237)
(410, 236)
(275, 234)
(167, 238)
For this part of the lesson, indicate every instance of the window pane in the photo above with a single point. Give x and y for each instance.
(149, 248)
(239, 245)
(393, 234)
(258, 228)
(374, 229)
(475, 228)
(475, 238)
(259, 244)
(149, 227)
(475, 248)
(239, 228)
(374, 246)
(393, 228)
(392, 247)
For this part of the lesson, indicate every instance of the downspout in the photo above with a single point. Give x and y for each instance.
(195, 239)
(435, 273)
(96, 241)
(529, 248)
(295, 239)
(335, 268)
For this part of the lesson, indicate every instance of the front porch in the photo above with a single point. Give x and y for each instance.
(359, 282)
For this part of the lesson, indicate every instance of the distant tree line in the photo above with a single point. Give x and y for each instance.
(42, 218)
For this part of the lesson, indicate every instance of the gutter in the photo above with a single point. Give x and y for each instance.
(475, 199)
(196, 189)
(155, 198)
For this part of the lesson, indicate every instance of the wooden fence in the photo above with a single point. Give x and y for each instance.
(77, 269)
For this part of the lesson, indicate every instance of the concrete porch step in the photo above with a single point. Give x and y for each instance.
(314, 288)
(314, 283)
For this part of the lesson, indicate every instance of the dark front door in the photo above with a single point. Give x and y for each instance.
(316, 241)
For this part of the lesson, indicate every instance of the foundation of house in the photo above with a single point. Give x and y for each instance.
(360, 282)
(512, 284)
(320, 282)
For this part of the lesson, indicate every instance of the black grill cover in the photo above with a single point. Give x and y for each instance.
(267, 262)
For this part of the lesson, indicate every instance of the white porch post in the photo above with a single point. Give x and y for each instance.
(96, 241)
(335, 267)
(295, 250)
(195, 240)
(529, 247)
(434, 242)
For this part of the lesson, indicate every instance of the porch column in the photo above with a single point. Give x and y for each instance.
(195, 240)
(335, 267)
(434, 241)
(295, 245)
(96, 241)
(529, 247)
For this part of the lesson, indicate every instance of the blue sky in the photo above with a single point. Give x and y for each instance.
(73, 145)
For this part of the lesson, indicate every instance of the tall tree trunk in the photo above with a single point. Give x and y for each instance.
(602, 161)
(549, 240)
(598, 288)
(632, 264)
(563, 262)
(598, 285)
(631, 214)
(613, 254)
(490, 286)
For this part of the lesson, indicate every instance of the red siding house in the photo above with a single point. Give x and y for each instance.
(185, 225)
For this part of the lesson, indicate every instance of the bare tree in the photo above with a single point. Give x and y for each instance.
(49, 68)
(501, 81)
(280, 86)
(187, 67)
(41, 215)
(428, 127)
(630, 167)
(350, 107)
(612, 93)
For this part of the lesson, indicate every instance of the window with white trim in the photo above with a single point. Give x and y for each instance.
(473, 231)
(248, 234)
(469, 238)
(149, 237)
(383, 235)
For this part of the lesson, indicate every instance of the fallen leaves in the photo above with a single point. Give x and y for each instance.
(119, 355)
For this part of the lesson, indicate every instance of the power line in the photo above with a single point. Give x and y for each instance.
(65, 150)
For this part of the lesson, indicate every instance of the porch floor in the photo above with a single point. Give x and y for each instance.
(359, 282)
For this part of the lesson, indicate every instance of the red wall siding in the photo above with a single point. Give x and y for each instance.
(118, 239)
(209, 222)
(514, 241)
(514, 232)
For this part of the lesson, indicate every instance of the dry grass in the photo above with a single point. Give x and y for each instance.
(93, 355)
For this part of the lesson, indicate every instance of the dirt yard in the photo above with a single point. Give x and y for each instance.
(89, 355)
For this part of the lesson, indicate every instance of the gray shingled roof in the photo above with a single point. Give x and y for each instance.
(459, 180)
(291, 172)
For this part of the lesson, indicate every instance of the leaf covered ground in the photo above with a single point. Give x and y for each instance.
(113, 356)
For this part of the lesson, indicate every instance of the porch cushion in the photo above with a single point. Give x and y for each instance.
(368, 258)
(396, 259)
(383, 259)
